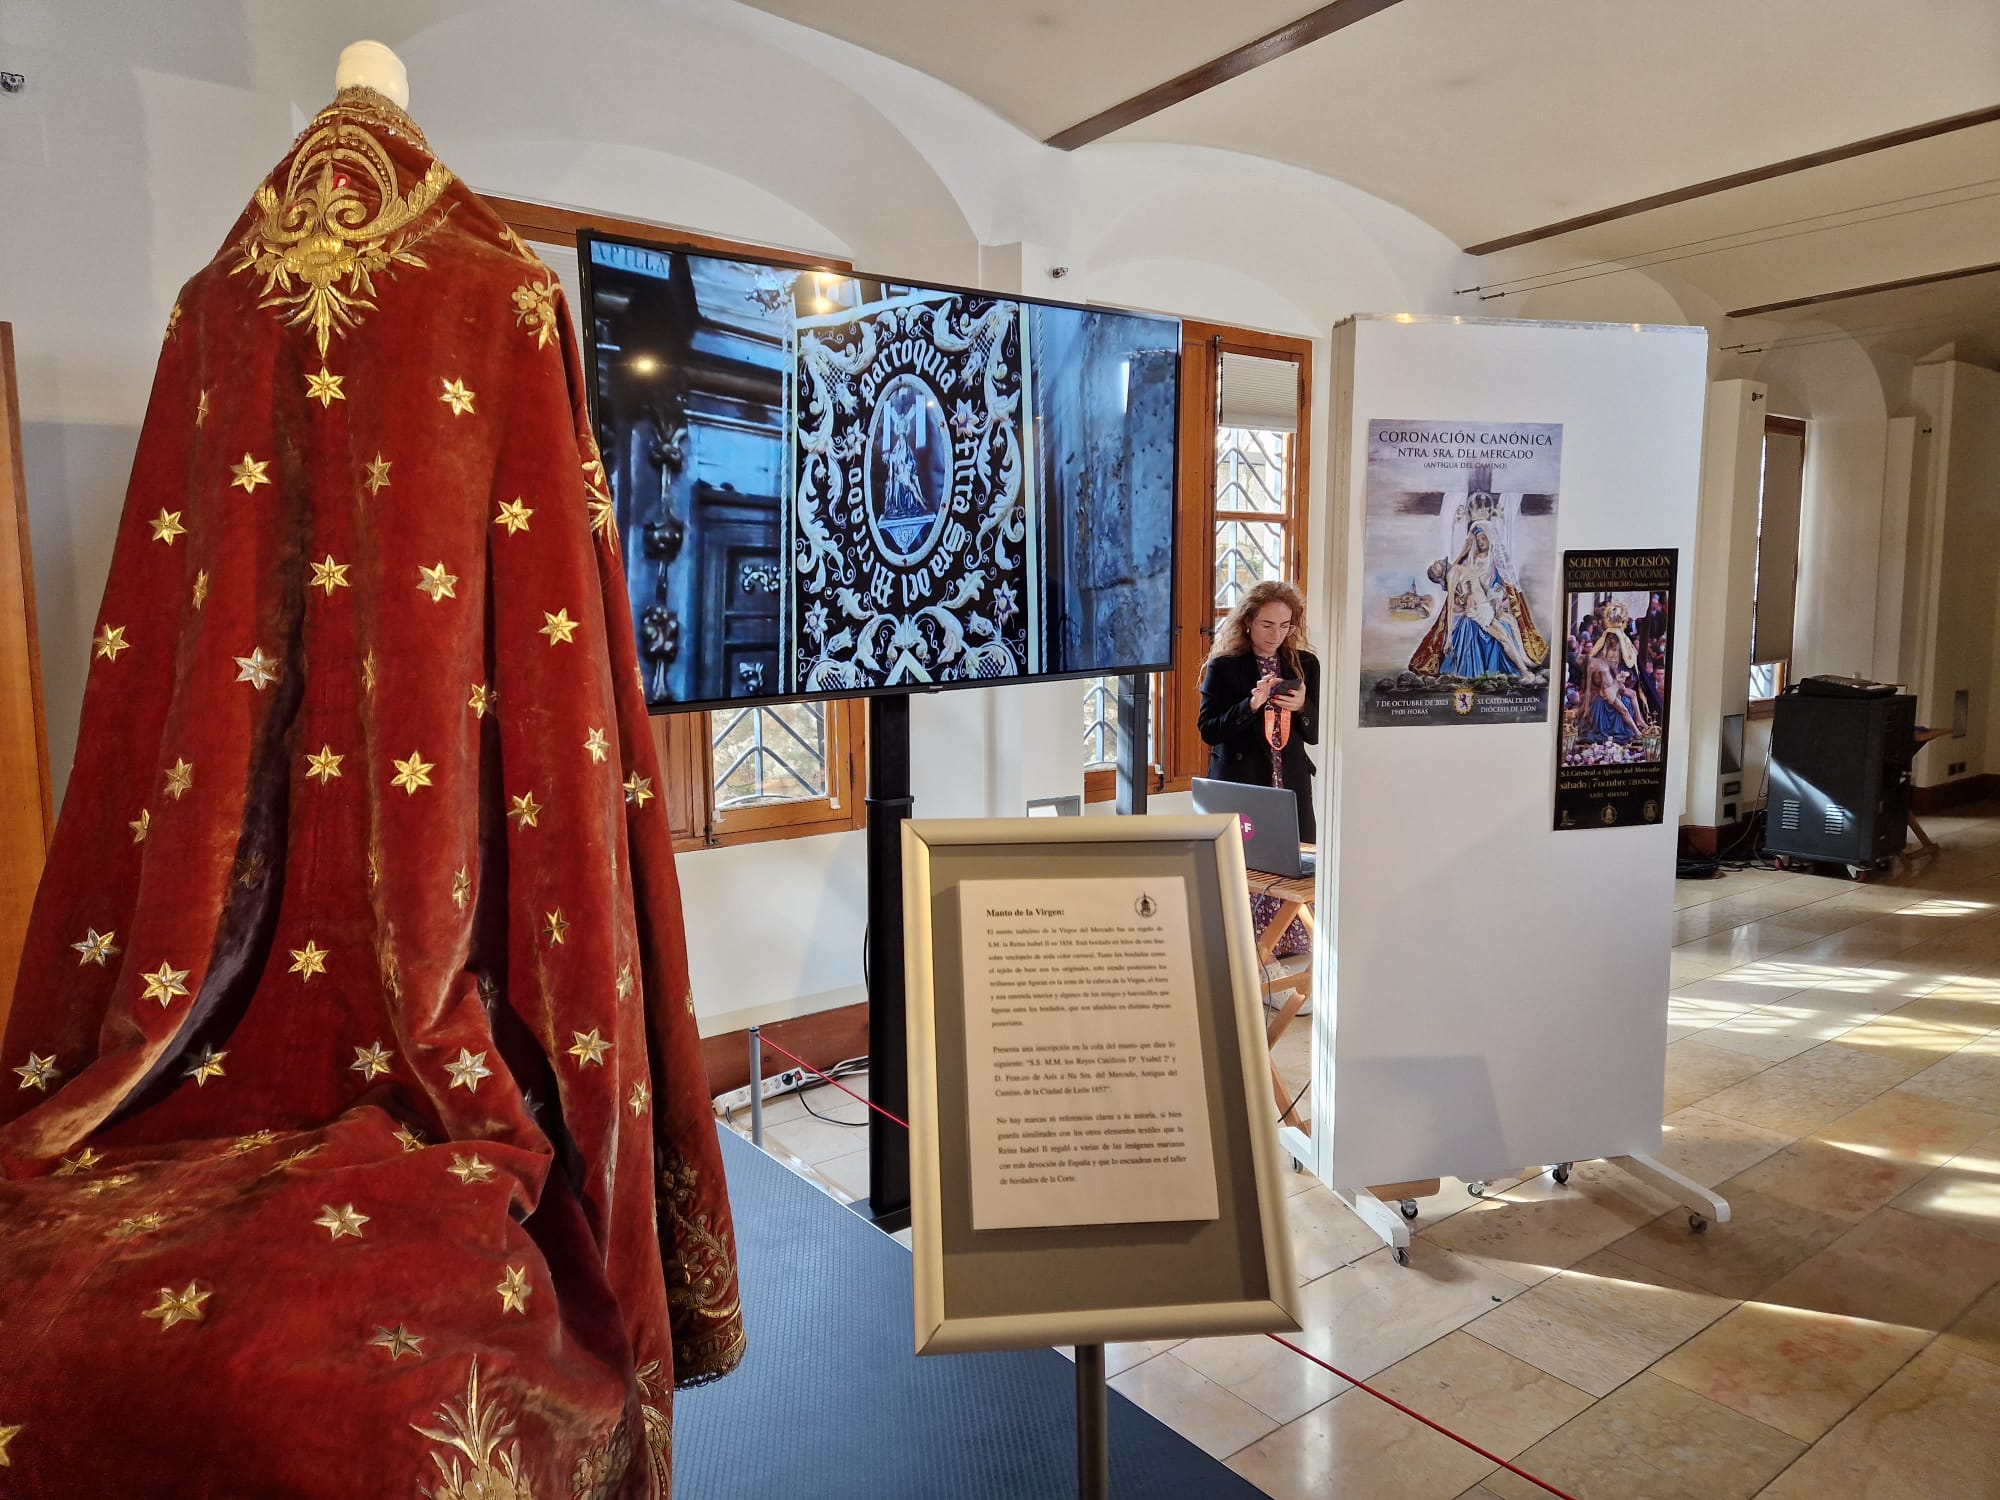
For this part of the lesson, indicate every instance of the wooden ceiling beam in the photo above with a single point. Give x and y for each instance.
(1198, 80)
(1927, 131)
(1866, 291)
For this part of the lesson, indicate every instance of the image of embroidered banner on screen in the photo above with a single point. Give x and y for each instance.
(826, 483)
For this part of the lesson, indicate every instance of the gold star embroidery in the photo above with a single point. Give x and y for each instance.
(85, 1160)
(461, 887)
(249, 474)
(560, 627)
(514, 1290)
(329, 575)
(456, 396)
(38, 1072)
(179, 1307)
(436, 582)
(324, 388)
(371, 1061)
(525, 810)
(167, 525)
(374, 867)
(638, 788)
(257, 669)
(108, 1184)
(513, 515)
(624, 980)
(304, 1153)
(110, 641)
(554, 925)
(250, 870)
(141, 826)
(368, 671)
(588, 1048)
(470, 1169)
(95, 948)
(483, 698)
(595, 746)
(200, 588)
(398, 1342)
(256, 1140)
(378, 475)
(131, 1229)
(180, 776)
(413, 773)
(339, 1222)
(173, 325)
(408, 1139)
(209, 1066)
(324, 766)
(201, 410)
(468, 1070)
(308, 961)
(164, 983)
(641, 1095)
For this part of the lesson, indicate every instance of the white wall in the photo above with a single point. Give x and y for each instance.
(1960, 564)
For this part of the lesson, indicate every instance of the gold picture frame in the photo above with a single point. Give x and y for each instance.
(1100, 1283)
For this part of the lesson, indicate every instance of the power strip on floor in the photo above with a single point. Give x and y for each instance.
(778, 1083)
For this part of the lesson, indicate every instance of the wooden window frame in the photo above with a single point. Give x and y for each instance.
(1177, 749)
(683, 740)
(1765, 708)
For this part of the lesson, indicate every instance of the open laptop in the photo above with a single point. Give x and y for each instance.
(1270, 819)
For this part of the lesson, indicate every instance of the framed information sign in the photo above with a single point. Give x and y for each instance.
(1093, 1153)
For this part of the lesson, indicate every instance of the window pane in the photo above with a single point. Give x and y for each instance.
(1246, 553)
(765, 755)
(1100, 722)
(1764, 680)
(1250, 470)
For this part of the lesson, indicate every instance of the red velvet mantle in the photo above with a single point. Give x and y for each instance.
(353, 1133)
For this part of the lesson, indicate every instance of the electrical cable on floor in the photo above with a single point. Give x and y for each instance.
(1333, 1369)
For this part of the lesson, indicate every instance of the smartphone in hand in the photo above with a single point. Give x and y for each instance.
(1289, 685)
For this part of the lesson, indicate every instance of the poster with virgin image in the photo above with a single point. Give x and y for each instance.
(1618, 645)
(1459, 559)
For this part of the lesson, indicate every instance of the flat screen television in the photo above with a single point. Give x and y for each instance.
(830, 484)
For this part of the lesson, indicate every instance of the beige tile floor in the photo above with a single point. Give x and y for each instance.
(1835, 1072)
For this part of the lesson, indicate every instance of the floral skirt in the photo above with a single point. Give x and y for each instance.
(1264, 911)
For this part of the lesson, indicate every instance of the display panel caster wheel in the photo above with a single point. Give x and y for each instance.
(1697, 1224)
(1408, 1208)
(1562, 1171)
(1297, 1165)
(1477, 1189)
(1402, 1255)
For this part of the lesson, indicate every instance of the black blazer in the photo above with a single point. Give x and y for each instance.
(1234, 732)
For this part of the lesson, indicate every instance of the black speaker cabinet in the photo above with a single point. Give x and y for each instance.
(1840, 777)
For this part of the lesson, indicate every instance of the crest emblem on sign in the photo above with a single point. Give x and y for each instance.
(1461, 701)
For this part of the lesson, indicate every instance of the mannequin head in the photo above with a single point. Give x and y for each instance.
(372, 65)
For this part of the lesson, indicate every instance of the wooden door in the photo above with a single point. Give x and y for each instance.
(26, 814)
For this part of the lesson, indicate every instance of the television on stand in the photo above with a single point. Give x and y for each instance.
(829, 484)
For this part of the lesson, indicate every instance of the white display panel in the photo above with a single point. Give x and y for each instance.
(1491, 994)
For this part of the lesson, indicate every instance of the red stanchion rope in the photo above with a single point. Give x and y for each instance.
(1274, 1338)
(766, 1041)
(1392, 1401)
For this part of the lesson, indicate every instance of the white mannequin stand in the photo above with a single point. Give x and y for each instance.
(373, 66)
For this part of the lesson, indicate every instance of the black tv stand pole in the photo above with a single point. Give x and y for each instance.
(888, 803)
(1135, 716)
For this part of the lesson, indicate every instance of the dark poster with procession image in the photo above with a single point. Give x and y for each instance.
(1618, 651)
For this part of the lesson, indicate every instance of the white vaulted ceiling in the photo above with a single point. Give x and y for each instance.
(1486, 118)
